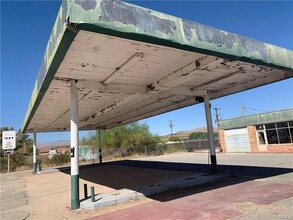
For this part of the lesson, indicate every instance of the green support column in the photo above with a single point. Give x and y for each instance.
(74, 147)
(75, 192)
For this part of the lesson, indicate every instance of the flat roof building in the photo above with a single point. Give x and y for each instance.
(267, 132)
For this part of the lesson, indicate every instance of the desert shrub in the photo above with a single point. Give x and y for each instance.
(17, 159)
(3, 164)
(189, 149)
(60, 159)
(174, 139)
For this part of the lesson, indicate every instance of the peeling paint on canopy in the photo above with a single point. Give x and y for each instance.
(92, 40)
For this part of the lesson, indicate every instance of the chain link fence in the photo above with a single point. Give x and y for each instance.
(87, 153)
(201, 145)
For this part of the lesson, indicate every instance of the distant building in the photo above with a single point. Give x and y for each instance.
(44, 150)
(52, 152)
(268, 132)
(63, 150)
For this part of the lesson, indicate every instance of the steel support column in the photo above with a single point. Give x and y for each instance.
(74, 147)
(100, 147)
(214, 169)
(35, 153)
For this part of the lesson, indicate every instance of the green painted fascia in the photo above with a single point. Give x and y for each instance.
(168, 43)
(259, 119)
(92, 20)
(36, 98)
(56, 49)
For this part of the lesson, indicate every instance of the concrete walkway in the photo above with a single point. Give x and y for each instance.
(241, 200)
(261, 187)
(140, 192)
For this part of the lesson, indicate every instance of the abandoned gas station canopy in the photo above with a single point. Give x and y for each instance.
(130, 63)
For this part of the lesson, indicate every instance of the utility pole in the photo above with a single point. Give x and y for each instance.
(217, 115)
(171, 125)
(242, 110)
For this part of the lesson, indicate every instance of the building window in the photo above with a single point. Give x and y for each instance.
(284, 136)
(261, 137)
(272, 137)
(275, 133)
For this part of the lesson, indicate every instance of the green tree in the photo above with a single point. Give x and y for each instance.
(24, 142)
(133, 134)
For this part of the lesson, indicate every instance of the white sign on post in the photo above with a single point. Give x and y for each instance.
(8, 140)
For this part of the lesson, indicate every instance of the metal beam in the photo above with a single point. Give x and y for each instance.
(122, 69)
(113, 87)
(113, 106)
(274, 76)
(217, 79)
(182, 75)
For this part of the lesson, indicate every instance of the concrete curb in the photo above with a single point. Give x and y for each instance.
(125, 195)
(67, 168)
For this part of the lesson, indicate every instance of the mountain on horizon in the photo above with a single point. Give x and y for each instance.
(186, 133)
(60, 143)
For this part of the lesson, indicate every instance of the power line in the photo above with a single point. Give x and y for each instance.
(256, 109)
(217, 115)
(250, 110)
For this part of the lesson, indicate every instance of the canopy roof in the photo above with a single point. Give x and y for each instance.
(131, 63)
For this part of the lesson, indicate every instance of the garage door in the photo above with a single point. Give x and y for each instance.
(237, 140)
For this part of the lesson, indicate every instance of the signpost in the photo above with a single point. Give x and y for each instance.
(8, 144)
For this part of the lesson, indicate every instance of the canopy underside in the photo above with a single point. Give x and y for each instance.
(121, 81)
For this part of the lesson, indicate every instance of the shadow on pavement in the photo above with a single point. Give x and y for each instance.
(133, 173)
(248, 171)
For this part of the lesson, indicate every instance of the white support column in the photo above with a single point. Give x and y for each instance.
(74, 147)
(210, 134)
(35, 153)
(100, 147)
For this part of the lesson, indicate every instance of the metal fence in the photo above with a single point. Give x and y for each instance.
(86, 153)
(160, 149)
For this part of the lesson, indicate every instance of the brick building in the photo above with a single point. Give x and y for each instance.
(268, 132)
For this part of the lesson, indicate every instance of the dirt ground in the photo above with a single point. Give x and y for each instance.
(47, 196)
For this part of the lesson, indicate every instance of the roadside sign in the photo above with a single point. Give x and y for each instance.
(8, 152)
(8, 140)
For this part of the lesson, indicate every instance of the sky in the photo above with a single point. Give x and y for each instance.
(26, 27)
